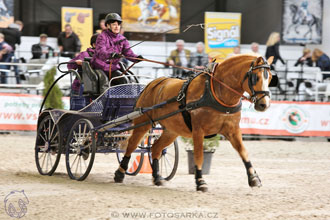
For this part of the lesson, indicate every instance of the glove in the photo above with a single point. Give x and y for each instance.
(115, 56)
(140, 57)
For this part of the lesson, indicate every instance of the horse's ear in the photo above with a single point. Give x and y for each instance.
(270, 60)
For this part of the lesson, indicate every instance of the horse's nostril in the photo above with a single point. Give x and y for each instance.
(262, 106)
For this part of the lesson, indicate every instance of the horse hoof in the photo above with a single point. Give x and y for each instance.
(202, 188)
(159, 181)
(201, 185)
(119, 176)
(254, 181)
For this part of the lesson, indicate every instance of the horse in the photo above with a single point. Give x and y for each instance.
(300, 18)
(157, 11)
(238, 74)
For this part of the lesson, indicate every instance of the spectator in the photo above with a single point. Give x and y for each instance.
(5, 56)
(306, 58)
(12, 35)
(76, 62)
(273, 44)
(255, 49)
(68, 42)
(102, 26)
(110, 46)
(236, 51)
(42, 50)
(321, 60)
(179, 57)
(199, 59)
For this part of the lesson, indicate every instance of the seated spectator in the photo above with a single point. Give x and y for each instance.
(306, 58)
(5, 56)
(42, 50)
(76, 62)
(68, 42)
(322, 61)
(199, 59)
(179, 57)
(236, 51)
(254, 49)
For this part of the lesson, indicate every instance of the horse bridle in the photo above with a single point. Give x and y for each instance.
(253, 79)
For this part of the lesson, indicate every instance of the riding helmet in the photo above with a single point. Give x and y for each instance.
(112, 17)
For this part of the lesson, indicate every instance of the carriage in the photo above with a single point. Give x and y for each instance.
(99, 121)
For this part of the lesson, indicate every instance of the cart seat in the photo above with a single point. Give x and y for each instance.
(95, 81)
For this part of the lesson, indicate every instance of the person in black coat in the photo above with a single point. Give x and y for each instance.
(68, 42)
(273, 44)
(42, 50)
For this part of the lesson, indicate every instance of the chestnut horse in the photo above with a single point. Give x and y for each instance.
(243, 73)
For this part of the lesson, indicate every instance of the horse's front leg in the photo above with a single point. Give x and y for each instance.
(133, 142)
(198, 138)
(235, 138)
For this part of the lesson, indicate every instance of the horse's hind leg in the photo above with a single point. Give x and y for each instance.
(133, 142)
(235, 139)
(165, 139)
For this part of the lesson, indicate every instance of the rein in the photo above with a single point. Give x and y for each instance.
(194, 70)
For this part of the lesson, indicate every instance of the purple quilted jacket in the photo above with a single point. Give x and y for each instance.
(81, 56)
(107, 43)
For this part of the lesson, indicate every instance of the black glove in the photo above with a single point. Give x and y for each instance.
(140, 57)
(115, 56)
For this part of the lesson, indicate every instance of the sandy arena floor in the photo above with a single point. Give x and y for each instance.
(295, 178)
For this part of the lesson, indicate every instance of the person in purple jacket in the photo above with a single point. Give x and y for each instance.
(76, 62)
(110, 47)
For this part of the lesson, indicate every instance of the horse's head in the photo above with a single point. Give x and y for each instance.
(257, 80)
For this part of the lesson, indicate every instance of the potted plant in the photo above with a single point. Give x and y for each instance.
(209, 145)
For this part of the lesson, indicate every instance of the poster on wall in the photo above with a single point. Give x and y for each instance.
(152, 16)
(222, 33)
(302, 21)
(6, 13)
(81, 21)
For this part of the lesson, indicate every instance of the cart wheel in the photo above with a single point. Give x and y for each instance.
(168, 162)
(48, 147)
(80, 150)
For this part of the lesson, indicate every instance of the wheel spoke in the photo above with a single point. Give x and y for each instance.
(53, 137)
(43, 161)
(76, 155)
(43, 138)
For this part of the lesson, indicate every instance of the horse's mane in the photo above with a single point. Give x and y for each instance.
(234, 60)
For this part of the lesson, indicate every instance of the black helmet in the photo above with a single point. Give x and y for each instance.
(112, 17)
(93, 39)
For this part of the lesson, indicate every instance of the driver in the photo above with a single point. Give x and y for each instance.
(110, 45)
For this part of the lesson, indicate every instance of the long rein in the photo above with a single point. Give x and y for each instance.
(189, 69)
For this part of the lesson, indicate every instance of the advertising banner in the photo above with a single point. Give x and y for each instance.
(283, 118)
(81, 20)
(287, 119)
(153, 16)
(222, 32)
(6, 13)
(19, 112)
